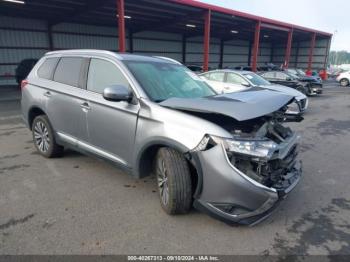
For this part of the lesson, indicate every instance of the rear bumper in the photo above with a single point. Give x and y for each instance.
(232, 197)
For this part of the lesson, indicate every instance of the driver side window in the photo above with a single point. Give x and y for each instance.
(102, 74)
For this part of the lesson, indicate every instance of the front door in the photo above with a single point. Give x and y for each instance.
(111, 125)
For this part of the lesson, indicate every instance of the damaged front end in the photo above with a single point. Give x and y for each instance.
(245, 176)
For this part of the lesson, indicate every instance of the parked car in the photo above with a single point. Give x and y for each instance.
(244, 68)
(23, 69)
(344, 78)
(228, 81)
(229, 155)
(283, 78)
(195, 68)
(313, 83)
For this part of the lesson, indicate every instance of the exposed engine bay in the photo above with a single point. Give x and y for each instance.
(276, 168)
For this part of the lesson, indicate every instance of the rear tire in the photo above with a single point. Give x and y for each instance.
(44, 138)
(344, 82)
(174, 181)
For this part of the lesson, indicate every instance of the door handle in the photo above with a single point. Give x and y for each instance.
(48, 94)
(85, 106)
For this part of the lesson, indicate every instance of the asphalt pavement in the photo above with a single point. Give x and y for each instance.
(80, 205)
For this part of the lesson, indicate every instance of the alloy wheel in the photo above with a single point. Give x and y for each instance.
(163, 185)
(41, 136)
(344, 82)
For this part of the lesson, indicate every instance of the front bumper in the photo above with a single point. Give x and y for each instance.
(232, 197)
(315, 89)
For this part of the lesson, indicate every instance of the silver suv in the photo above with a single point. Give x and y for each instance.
(228, 155)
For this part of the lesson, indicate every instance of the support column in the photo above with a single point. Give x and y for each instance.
(256, 46)
(288, 49)
(221, 61)
(311, 53)
(184, 46)
(121, 25)
(206, 43)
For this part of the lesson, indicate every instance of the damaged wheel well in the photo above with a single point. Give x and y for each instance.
(146, 161)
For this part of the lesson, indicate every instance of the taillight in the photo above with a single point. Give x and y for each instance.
(24, 83)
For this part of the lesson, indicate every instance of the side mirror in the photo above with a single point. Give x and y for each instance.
(117, 93)
(289, 79)
(246, 84)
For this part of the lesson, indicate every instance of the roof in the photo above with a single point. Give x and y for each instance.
(170, 16)
(249, 16)
(119, 56)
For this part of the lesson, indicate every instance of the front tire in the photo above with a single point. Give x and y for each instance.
(344, 82)
(174, 181)
(44, 138)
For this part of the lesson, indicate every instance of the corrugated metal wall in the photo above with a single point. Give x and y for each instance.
(20, 39)
(300, 54)
(236, 53)
(194, 51)
(158, 44)
(28, 38)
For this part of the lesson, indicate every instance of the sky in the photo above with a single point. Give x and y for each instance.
(329, 16)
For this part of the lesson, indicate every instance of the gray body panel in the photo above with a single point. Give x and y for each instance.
(240, 105)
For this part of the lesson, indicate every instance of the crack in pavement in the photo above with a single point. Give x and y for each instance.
(14, 222)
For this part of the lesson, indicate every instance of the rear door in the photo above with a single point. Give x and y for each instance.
(66, 99)
(111, 125)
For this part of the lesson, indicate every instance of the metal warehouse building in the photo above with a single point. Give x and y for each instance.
(188, 31)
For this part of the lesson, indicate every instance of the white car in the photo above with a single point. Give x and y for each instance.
(344, 78)
(228, 81)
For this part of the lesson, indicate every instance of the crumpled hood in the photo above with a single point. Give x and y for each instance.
(286, 90)
(241, 106)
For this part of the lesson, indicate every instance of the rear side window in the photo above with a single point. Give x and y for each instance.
(103, 74)
(269, 75)
(218, 76)
(68, 71)
(235, 79)
(47, 69)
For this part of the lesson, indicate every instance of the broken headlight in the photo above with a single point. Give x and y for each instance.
(293, 108)
(252, 147)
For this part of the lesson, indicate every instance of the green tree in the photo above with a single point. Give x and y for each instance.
(339, 57)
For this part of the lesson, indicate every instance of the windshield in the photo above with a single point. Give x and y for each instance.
(161, 81)
(256, 79)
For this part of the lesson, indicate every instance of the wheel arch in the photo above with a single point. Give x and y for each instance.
(33, 112)
(144, 159)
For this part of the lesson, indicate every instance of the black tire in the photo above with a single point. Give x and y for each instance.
(42, 131)
(172, 167)
(344, 82)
